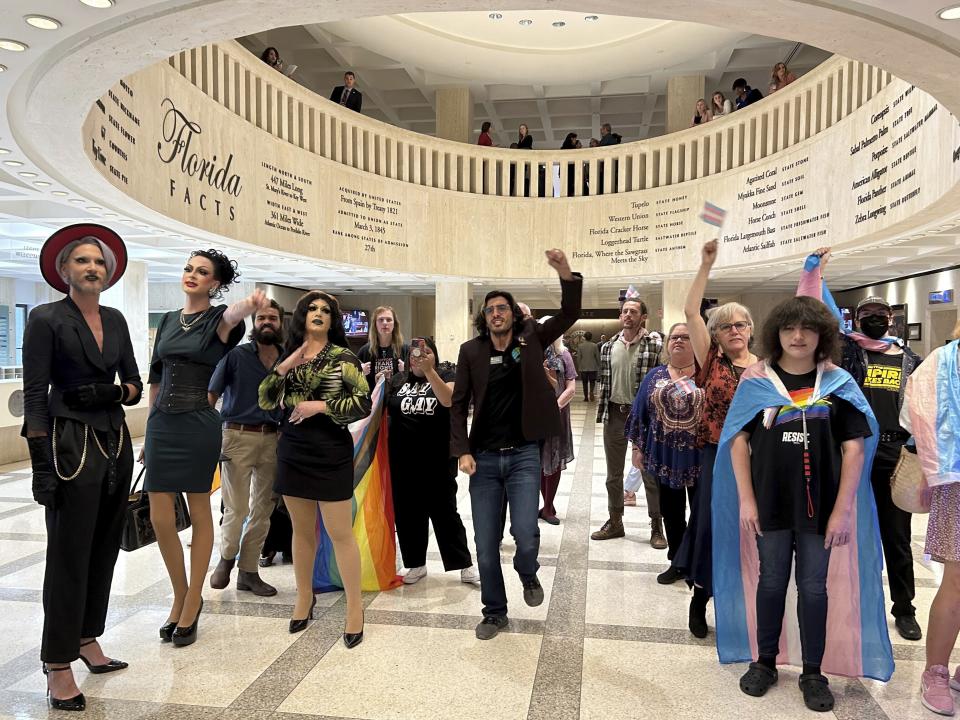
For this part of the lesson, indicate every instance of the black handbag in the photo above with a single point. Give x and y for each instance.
(137, 528)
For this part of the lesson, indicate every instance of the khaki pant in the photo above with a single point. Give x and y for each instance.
(248, 471)
(615, 450)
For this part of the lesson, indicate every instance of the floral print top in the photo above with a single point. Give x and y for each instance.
(719, 378)
(334, 375)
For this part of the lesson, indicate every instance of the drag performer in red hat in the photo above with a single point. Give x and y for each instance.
(79, 369)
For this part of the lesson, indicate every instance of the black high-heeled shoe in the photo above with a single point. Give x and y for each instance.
(77, 702)
(301, 625)
(166, 631)
(111, 666)
(351, 640)
(183, 636)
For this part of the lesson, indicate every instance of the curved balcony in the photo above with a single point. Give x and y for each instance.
(239, 81)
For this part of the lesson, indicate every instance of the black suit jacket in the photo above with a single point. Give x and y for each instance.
(354, 102)
(60, 352)
(541, 417)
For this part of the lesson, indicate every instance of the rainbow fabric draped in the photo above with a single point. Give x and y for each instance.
(858, 644)
(373, 518)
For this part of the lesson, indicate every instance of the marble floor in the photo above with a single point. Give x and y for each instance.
(608, 643)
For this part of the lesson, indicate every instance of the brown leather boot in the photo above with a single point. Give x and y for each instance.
(657, 540)
(612, 528)
(252, 582)
(221, 574)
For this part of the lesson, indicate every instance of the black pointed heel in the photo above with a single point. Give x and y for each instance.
(76, 703)
(183, 636)
(166, 631)
(301, 625)
(351, 640)
(111, 666)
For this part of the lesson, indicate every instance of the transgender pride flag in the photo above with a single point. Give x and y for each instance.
(713, 215)
(373, 519)
(858, 644)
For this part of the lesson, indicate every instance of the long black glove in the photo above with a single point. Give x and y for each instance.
(94, 396)
(44, 478)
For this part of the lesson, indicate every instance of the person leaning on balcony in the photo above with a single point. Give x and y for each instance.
(719, 105)
(701, 113)
(485, 138)
(781, 77)
(347, 94)
(744, 94)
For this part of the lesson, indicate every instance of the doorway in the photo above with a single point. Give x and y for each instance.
(939, 327)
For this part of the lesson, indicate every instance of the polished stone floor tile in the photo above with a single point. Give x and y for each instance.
(21, 487)
(443, 593)
(230, 653)
(22, 627)
(31, 521)
(653, 681)
(422, 673)
(13, 550)
(616, 597)
(134, 573)
(900, 698)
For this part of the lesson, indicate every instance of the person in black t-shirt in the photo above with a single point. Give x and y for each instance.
(423, 474)
(384, 352)
(797, 468)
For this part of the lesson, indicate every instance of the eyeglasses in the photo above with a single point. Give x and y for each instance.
(738, 326)
(682, 338)
(491, 309)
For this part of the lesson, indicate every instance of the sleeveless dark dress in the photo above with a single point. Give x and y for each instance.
(182, 445)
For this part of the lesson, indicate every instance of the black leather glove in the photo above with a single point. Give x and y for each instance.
(94, 396)
(44, 478)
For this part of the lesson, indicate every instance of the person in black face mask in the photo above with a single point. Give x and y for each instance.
(881, 364)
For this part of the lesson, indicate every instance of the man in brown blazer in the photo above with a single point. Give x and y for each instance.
(501, 372)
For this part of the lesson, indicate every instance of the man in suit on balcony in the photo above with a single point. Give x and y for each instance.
(347, 94)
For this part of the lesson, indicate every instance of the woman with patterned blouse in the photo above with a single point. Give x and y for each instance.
(322, 389)
(721, 347)
(662, 426)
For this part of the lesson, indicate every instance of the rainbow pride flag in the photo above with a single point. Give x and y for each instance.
(373, 519)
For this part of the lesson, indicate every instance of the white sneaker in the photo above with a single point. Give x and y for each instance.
(415, 575)
(470, 575)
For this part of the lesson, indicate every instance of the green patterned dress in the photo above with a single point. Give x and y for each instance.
(315, 457)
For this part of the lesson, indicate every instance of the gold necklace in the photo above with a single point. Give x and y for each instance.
(185, 326)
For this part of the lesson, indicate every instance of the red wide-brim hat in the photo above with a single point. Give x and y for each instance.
(50, 252)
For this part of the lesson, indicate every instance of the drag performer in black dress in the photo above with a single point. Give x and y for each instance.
(182, 444)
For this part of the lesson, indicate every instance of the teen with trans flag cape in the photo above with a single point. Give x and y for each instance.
(373, 518)
(858, 644)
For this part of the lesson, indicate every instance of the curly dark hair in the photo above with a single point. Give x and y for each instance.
(298, 321)
(480, 321)
(224, 269)
(805, 312)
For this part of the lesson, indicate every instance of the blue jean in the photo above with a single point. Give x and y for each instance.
(776, 549)
(517, 473)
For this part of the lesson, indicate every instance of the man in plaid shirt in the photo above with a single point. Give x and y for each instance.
(624, 360)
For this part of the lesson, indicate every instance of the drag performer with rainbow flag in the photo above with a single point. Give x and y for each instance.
(792, 476)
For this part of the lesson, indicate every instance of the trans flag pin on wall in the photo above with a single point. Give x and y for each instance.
(713, 215)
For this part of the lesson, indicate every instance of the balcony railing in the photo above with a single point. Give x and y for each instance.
(240, 82)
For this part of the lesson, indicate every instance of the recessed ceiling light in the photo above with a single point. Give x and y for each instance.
(4, 151)
(591, 18)
(42, 22)
(950, 13)
(12, 45)
(526, 22)
(495, 16)
(3, 68)
(27, 174)
(60, 193)
(94, 208)
(109, 214)
(42, 183)
(559, 23)
(76, 200)
(13, 163)
(101, 4)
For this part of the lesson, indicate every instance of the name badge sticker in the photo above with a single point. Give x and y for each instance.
(496, 359)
